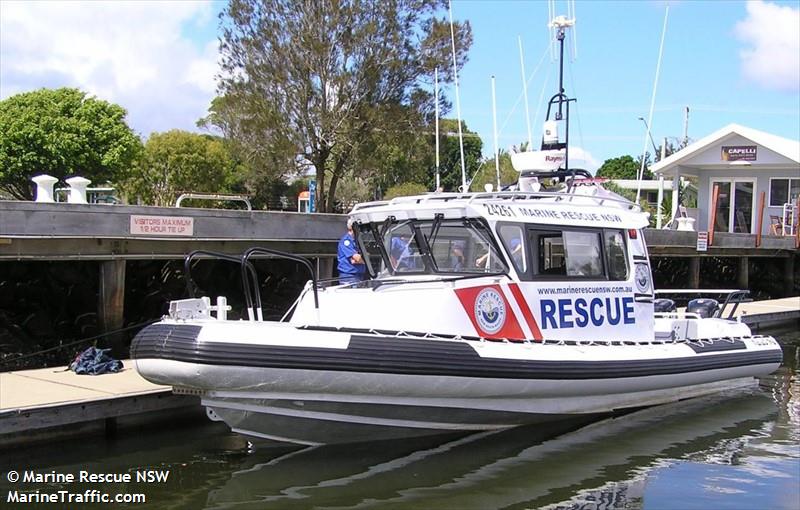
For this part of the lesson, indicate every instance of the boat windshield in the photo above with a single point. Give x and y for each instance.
(439, 246)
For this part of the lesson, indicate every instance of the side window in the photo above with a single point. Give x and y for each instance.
(616, 257)
(514, 243)
(571, 253)
(583, 253)
(551, 255)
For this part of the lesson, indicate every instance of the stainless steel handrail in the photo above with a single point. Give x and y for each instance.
(214, 196)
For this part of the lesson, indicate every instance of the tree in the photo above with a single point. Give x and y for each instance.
(179, 161)
(488, 173)
(624, 167)
(450, 157)
(404, 190)
(63, 133)
(310, 84)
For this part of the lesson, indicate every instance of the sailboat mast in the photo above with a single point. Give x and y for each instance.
(494, 124)
(458, 100)
(436, 101)
(525, 93)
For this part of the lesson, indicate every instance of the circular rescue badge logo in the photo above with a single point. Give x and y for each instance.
(642, 277)
(490, 311)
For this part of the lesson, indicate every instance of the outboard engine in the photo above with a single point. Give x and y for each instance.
(664, 305)
(703, 307)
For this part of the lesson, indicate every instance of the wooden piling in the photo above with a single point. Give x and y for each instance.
(694, 272)
(743, 279)
(111, 303)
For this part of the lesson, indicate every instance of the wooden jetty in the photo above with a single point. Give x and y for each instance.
(52, 403)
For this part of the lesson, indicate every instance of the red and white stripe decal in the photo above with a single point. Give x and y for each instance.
(526, 310)
(511, 329)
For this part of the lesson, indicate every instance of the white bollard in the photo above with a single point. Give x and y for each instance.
(686, 224)
(77, 189)
(44, 187)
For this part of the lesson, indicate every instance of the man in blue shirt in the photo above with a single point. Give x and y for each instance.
(351, 263)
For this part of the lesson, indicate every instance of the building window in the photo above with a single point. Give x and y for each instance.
(783, 190)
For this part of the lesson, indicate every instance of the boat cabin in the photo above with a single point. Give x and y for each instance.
(512, 265)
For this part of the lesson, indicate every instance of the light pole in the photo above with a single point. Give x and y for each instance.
(655, 149)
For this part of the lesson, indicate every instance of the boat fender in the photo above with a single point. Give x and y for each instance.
(704, 307)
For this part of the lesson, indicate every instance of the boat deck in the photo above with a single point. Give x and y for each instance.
(48, 403)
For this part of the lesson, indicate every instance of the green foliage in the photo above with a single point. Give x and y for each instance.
(179, 161)
(631, 195)
(404, 190)
(450, 154)
(63, 133)
(488, 173)
(624, 167)
(307, 84)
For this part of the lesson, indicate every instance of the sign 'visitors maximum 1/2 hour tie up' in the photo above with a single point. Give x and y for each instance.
(162, 225)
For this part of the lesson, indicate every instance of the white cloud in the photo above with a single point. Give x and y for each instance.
(134, 53)
(581, 158)
(772, 35)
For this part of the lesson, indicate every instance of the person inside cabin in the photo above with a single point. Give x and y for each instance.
(457, 259)
(351, 264)
(403, 253)
(516, 254)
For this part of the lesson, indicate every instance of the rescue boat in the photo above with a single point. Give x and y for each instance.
(482, 311)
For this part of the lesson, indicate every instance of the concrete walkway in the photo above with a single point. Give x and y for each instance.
(57, 386)
(52, 403)
(770, 313)
(789, 304)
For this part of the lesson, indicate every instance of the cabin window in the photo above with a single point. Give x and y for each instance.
(514, 242)
(404, 253)
(616, 257)
(568, 253)
(462, 247)
(371, 246)
(583, 254)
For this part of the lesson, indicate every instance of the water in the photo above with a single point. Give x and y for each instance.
(733, 451)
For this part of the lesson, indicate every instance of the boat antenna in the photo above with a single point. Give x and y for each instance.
(558, 25)
(436, 101)
(494, 124)
(458, 100)
(652, 104)
(525, 93)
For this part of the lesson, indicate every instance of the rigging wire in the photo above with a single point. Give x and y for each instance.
(577, 110)
(458, 98)
(519, 98)
(652, 104)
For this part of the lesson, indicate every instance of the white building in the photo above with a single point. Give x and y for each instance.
(743, 163)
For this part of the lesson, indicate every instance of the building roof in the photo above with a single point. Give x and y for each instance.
(787, 148)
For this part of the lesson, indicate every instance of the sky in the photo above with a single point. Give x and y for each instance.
(729, 62)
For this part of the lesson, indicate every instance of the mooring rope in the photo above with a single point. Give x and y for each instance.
(70, 344)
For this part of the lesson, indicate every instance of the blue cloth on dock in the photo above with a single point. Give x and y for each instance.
(94, 361)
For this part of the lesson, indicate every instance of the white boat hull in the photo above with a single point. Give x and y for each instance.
(317, 387)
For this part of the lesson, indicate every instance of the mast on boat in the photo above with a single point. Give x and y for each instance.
(553, 156)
